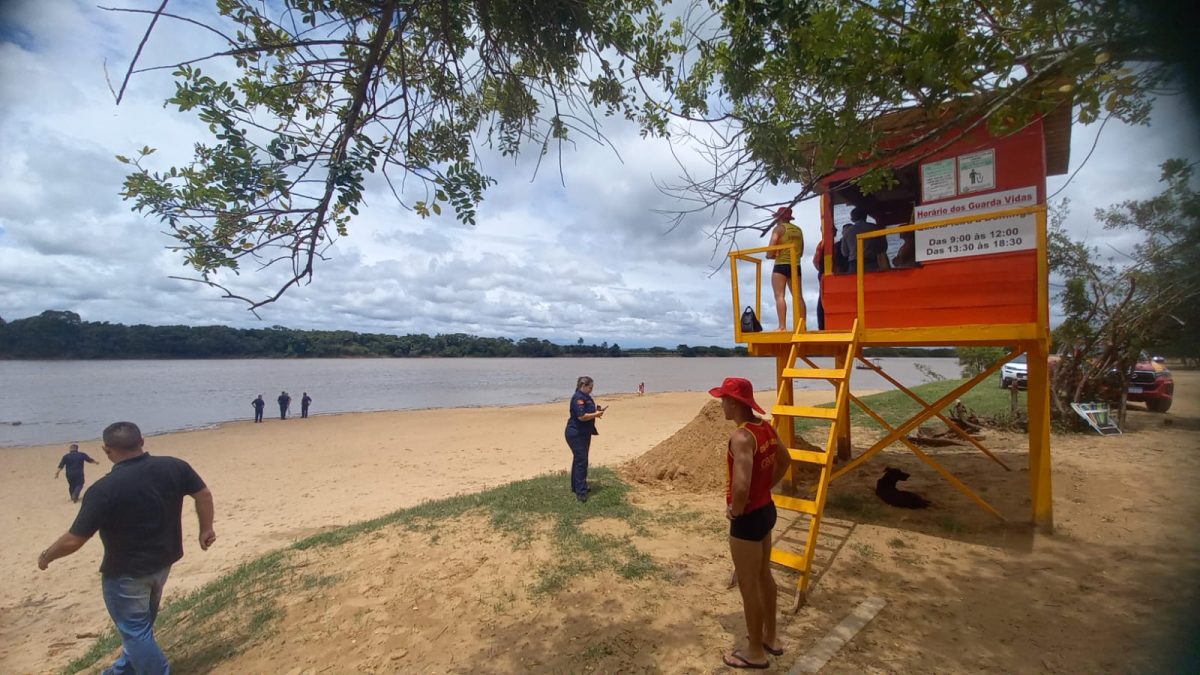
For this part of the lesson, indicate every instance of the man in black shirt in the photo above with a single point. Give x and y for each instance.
(136, 509)
(305, 401)
(258, 404)
(73, 462)
(284, 401)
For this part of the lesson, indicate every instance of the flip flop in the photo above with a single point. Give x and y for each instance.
(742, 662)
(773, 651)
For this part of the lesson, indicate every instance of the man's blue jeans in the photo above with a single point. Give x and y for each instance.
(133, 605)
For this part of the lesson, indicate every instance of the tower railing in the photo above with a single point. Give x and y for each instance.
(750, 255)
(1038, 211)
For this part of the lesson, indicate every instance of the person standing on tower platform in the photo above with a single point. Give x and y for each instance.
(784, 232)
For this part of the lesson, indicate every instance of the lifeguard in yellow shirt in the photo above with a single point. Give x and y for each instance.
(784, 232)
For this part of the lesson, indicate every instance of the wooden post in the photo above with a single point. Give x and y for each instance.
(787, 432)
(843, 420)
(1040, 488)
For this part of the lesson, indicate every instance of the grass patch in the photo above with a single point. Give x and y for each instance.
(897, 542)
(104, 645)
(311, 581)
(851, 506)
(951, 524)
(504, 603)
(213, 622)
(519, 509)
(985, 399)
(865, 550)
(596, 651)
(216, 622)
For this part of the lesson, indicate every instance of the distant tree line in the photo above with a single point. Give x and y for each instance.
(64, 335)
(910, 352)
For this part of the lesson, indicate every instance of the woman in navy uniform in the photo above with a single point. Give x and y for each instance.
(581, 426)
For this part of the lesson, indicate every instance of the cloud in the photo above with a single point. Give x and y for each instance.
(575, 246)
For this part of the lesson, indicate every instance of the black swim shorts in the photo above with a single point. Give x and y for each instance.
(755, 525)
(782, 268)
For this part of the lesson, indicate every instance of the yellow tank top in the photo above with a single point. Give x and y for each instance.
(790, 233)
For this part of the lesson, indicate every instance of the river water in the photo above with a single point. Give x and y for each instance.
(43, 402)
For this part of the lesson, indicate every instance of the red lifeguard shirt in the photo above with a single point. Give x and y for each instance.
(764, 465)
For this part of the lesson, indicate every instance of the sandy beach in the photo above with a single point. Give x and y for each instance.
(964, 592)
(282, 480)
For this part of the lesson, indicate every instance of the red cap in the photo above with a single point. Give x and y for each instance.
(738, 389)
(783, 213)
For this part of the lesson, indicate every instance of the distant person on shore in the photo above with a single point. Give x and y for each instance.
(641, 389)
(785, 232)
(756, 460)
(73, 462)
(284, 402)
(258, 404)
(581, 426)
(136, 509)
(304, 403)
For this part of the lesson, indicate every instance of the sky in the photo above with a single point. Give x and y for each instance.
(586, 255)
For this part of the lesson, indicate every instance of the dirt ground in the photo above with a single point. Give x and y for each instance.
(964, 592)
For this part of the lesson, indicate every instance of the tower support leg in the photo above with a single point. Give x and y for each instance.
(843, 421)
(1040, 488)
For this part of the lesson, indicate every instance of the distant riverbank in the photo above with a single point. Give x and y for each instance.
(57, 335)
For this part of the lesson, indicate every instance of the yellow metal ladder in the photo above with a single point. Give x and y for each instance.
(842, 346)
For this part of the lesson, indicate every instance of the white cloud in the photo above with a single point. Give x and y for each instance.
(592, 258)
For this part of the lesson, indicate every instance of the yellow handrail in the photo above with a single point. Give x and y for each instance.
(749, 255)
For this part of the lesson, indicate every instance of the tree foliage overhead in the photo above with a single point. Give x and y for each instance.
(797, 86)
(328, 92)
(331, 91)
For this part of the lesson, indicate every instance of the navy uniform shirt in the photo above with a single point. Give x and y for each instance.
(73, 463)
(581, 403)
(136, 508)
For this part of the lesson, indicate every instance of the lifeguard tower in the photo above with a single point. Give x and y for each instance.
(966, 217)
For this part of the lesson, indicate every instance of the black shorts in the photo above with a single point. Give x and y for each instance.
(782, 268)
(755, 525)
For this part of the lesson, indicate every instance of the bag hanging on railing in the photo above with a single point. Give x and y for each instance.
(750, 322)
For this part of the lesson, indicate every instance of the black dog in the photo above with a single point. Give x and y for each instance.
(886, 489)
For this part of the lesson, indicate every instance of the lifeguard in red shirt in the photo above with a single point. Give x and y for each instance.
(756, 461)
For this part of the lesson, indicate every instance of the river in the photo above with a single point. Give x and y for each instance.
(44, 402)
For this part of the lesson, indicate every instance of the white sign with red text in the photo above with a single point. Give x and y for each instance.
(981, 237)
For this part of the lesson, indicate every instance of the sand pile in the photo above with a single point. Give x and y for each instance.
(694, 458)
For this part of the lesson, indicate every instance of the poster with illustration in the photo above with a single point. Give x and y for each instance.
(977, 171)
